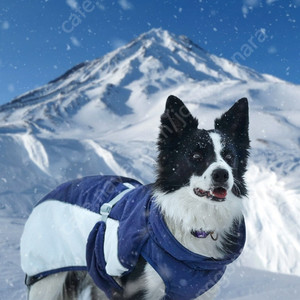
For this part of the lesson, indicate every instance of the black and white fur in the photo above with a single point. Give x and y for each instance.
(200, 185)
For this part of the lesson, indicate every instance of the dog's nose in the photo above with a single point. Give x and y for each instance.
(220, 176)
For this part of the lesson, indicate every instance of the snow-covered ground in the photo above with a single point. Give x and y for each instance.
(102, 117)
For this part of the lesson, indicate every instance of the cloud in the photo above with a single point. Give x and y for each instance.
(11, 88)
(72, 3)
(117, 43)
(125, 4)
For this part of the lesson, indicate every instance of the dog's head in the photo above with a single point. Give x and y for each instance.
(209, 163)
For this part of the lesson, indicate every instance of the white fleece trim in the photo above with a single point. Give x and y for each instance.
(55, 236)
(113, 266)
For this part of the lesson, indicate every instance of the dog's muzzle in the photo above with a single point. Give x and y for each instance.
(217, 194)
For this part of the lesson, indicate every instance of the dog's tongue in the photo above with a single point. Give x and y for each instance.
(220, 193)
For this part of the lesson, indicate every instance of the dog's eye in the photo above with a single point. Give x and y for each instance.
(229, 158)
(197, 156)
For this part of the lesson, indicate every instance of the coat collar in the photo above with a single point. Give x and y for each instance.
(163, 237)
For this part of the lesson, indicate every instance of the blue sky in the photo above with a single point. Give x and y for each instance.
(41, 39)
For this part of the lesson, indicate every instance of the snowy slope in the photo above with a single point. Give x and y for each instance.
(102, 117)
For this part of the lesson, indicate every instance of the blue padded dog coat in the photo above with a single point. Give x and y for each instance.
(66, 232)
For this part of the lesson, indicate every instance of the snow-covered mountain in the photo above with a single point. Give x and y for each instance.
(102, 117)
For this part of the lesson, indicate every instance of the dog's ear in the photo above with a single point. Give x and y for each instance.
(176, 119)
(235, 122)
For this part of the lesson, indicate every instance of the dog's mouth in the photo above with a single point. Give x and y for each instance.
(217, 194)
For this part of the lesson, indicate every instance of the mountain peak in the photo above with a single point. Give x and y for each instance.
(155, 33)
(167, 39)
(155, 61)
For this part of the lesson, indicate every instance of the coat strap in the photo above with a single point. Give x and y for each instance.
(106, 208)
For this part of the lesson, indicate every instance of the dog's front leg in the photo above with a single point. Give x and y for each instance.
(155, 288)
(211, 294)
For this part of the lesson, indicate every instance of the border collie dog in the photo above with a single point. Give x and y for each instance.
(109, 237)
